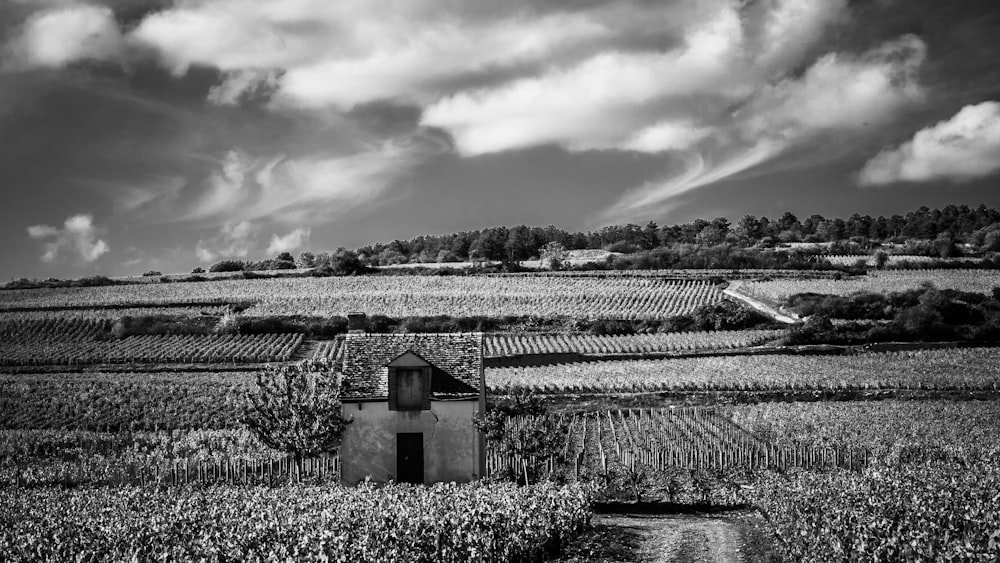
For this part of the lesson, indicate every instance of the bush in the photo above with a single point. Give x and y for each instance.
(198, 270)
(162, 324)
(227, 266)
(152, 273)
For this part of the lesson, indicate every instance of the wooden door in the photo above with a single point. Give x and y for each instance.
(410, 457)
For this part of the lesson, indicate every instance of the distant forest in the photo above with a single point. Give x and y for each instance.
(953, 231)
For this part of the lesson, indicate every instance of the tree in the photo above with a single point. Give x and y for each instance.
(296, 409)
(307, 260)
(535, 437)
(553, 255)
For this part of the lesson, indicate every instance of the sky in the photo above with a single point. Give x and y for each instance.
(162, 135)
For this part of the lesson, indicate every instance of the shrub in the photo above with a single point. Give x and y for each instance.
(227, 266)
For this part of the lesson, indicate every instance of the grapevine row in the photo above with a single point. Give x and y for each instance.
(956, 368)
(230, 348)
(502, 345)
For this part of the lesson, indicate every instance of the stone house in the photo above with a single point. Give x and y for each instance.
(412, 399)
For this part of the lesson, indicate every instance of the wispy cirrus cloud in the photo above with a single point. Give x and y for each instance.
(78, 236)
(838, 94)
(959, 149)
(306, 187)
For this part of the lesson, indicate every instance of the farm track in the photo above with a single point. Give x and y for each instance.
(681, 538)
(768, 310)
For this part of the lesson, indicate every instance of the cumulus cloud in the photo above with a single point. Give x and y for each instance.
(354, 51)
(234, 240)
(962, 148)
(598, 103)
(78, 235)
(289, 242)
(60, 36)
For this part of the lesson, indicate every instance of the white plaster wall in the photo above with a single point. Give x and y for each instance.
(450, 441)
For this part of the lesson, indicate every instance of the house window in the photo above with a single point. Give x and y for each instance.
(409, 389)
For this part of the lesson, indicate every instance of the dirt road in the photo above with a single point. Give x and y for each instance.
(670, 539)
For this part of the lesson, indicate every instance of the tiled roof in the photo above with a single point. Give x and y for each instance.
(457, 357)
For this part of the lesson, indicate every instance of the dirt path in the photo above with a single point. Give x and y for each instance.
(679, 538)
(733, 291)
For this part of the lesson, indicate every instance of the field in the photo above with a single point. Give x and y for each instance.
(777, 291)
(133, 444)
(122, 401)
(398, 296)
(960, 368)
(438, 523)
(501, 345)
(83, 342)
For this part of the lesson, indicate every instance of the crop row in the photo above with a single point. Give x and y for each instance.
(777, 291)
(960, 368)
(109, 314)
(29, 350)
(888, 428)
(123, 401)
(501, 345)
(934, 511)
(444, 522)
(329, 350)
(396, 296)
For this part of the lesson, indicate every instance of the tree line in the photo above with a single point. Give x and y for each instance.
(932, 232)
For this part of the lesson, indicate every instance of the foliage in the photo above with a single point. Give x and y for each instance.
(520, 427)
(552, 255)
(296, 409)
(441, 523)
(227, 266)
(162, 323)
(502, 345)
(938, 511)
(917, 314)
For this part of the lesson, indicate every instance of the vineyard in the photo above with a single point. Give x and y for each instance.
(928, 511)
(74, 342)
(445, 522)
(398, 296)
(656, 440)
(501, 345)
(113, 402)
(109, 314)
(777, 292)
(958, 368)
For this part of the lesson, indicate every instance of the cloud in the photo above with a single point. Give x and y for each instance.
(839, 94)
(78, 235)
(597, 103)
(355, 51)
(235, 240)
(666, 136)
(962, 148)
(242, 85)
(60, 36)
(304, 187)
(288, 242)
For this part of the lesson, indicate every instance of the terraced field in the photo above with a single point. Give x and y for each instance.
(961, 368)
(776, 292)
(397, 296)
(87, 342)
(501, 345)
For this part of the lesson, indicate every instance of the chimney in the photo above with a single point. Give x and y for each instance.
(355, 323)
